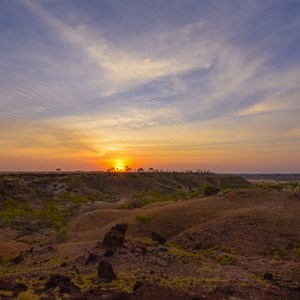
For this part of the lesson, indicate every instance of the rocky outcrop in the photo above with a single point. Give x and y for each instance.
(268, 276)
(92, 258)
(17, 260)
(211, 190)
(158, 238)
(116, 236)
(105, 271)
(64, 284)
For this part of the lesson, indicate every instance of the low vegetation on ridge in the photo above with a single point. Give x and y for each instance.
(188, 236)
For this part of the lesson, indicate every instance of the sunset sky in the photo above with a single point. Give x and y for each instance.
(86, 85)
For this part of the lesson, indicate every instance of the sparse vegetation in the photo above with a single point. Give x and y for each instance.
(225, 260)
(280, 186)
(143, 219)
(211, 242)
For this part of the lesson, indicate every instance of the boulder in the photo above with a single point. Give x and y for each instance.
(17, 260)
(64, 283)
(211, 190)
(158, 238)
(116, 236)
(92, 258)
(268, 276)
(109, 253)
(105, 271)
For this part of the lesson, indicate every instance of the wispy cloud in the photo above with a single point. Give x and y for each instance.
(194, 77)
(121, 67)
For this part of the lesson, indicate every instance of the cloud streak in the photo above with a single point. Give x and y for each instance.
(205, 75)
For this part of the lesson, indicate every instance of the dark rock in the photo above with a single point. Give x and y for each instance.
(144, 250)
(121, 227)
(64, 265)
(4, 285)
(92, 258)
(155, 244)
(158, 238)
(268, 276)
(138, 284)
(163, 249)
(223, 292)
(75, 269)
(64, 283)
(19, 287)
(116, 236)
(109, 253)
(197, 246)
(105, 271)
(211, 190)
(17, 260)
(56, 280)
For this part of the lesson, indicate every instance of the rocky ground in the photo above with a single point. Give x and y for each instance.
(235, 244)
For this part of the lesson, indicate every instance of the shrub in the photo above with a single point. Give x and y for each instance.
(280, 253)
(143, 219)
(225, 260)
(211, 190)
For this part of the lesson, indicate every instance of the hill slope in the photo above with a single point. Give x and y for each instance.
(237, 244)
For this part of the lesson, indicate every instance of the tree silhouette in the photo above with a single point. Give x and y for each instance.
(128, 169)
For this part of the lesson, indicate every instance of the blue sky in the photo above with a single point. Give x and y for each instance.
(172, 84)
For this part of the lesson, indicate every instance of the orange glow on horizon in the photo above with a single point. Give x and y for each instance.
(118, 164)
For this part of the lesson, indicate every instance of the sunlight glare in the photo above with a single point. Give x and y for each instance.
(119, 165)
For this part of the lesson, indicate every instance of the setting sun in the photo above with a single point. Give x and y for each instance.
(119, 165)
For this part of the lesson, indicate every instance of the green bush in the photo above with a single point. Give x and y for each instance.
(280, 253)
(143, 219)
(12, 212)
(225, 260)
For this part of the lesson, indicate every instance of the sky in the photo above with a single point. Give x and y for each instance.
(173, 85)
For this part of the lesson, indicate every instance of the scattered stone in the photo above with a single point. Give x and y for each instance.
(64, 283)
(223, 292)
(17, 260)
(268, 276)
(64, 265)
(14, 288)
(138, 284)
(105, 271)
(109, 253)
(116, 236)
(144, 250)
(75, 269)
(20, 287)
(163, 248)
(211, 190)
(121, 227)
(92, 258)
(56, 280)
(197, 246)
(158, 238)
(4, 285)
